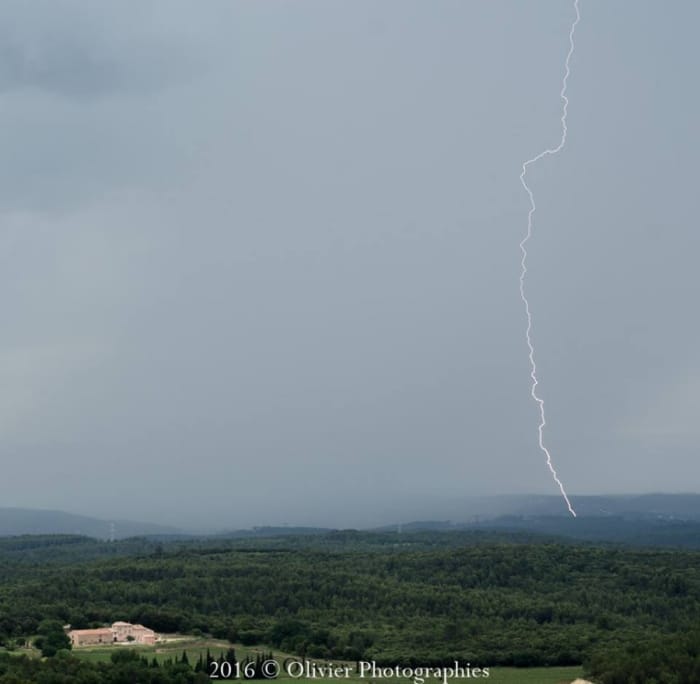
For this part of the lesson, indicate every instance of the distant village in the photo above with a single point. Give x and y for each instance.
(118, 633)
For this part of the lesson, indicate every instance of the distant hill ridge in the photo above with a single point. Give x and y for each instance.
(654, 505)
(468, 511)
(18, 521)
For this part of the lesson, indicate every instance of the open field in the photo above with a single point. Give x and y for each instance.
(498, 675)
(173, 647)
(534, 675)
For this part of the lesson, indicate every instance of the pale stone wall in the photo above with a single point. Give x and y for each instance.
(90, 637)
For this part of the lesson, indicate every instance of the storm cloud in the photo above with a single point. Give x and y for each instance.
(260, 260)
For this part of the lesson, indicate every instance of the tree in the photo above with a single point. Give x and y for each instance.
(52, 638)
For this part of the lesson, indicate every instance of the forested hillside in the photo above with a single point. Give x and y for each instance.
(495, 603)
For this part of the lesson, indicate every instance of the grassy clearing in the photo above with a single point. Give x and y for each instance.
(170, 649)
(498, 675)
(23, 650)
(534, 675)
(176, 644)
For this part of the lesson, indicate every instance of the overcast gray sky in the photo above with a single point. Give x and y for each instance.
(259, 261)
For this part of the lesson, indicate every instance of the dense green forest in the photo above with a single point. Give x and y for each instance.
(417, 599)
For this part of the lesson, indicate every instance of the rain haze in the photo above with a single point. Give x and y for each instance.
(259, 261)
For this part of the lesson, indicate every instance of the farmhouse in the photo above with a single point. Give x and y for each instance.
(90, 637)
(138, 633)
(119, 632)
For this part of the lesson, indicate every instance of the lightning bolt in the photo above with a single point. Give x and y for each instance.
(528, 330)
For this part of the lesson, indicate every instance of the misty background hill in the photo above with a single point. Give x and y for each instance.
(543, 514)
(682, 506)
(22, 521)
